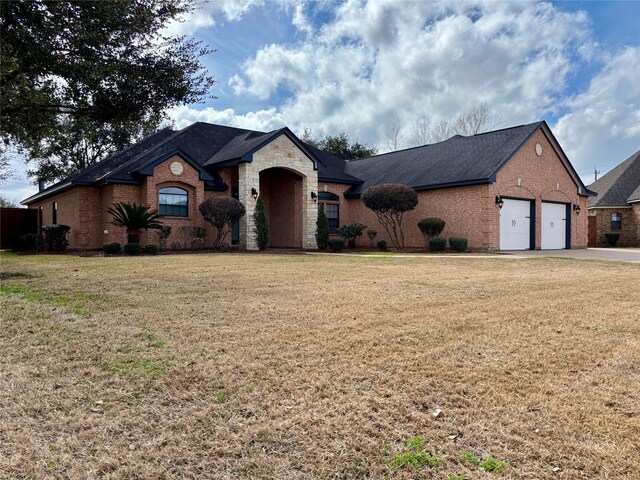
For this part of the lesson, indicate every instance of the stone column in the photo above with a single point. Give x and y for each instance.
(309, 211)
(248, 178)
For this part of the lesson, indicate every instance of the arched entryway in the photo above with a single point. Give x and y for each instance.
(281, 191)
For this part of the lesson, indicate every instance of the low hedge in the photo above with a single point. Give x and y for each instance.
(459, 244)
(31, 242)
(437, 244)
(612, 238)
(55, 237)
(132, 249)
(113, 247)
(151, 249)
(382, 244)
(336, 244)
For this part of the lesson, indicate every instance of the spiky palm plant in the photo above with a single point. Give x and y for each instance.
(135, 218)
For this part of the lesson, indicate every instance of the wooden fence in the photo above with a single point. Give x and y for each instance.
(15, 222)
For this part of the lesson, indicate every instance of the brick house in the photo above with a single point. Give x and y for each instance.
(617, 207)
(508, 189)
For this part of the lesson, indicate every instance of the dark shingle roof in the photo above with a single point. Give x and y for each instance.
(458, 160)
(619, 185)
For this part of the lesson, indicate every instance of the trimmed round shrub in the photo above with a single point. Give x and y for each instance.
(382, 244)
(132, 249)
(336, 244)
(389, 201)
(431, 227)
(459, 244)
(55, 237)
(31, 242)
(612, 238)
(151, 249)
(113, 247)
(197, 243)
(437, 244)
(222, 213)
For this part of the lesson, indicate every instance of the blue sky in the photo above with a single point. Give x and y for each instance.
(358, 66)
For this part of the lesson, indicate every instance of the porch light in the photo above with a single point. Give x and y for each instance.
(314, 196)
(576, 208)
(254, 192)
(499, 201)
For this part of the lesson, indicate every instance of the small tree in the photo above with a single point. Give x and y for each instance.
(389, 201)
(135, 218)
(322, 229)
(431, 227)
(222, 213)
(261, 224)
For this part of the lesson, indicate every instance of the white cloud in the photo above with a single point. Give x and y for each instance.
(378, 60)
(262, 120)
(602, 127)
(205, 15)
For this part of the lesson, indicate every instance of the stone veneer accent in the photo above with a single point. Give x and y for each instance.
(280, 153)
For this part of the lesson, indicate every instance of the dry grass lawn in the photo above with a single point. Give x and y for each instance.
(293, 366)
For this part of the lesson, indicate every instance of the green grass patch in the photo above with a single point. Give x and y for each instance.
(76, 303)
(220, 397)
(489, 465)
(416, 456)
(154, 341)
(136, 367)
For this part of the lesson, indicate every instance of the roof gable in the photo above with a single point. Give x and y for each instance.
(619, 186)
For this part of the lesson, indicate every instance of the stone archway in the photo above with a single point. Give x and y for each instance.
(281, 191)
(280, 161)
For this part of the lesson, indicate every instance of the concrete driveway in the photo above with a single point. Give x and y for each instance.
(629, 255)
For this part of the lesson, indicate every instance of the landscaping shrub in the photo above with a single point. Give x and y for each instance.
(31, 242)
(197, 243)
(612, 238)
(132, 249)
(382, 244)
(431, 227)
(459, 244)
(222, 213)
(437, 244)
(351, 232)
(163, 235)
(389, 201)
(55, 237)
(322, 229)
(261, 224)
(113, 247)
(134, 217)
(151, 249)
(372, 234)
(336, 244)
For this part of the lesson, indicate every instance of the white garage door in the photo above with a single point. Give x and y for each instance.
(515, 225)
(554, 226)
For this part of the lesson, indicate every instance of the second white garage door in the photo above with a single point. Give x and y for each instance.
(554, 226)
(515, 225)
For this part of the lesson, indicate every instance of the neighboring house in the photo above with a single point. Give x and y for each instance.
(508, 189)
(617, 207)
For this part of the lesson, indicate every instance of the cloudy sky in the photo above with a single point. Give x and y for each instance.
(355, 66)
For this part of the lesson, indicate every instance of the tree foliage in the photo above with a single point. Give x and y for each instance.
(222, 213)
(261, 224)
(134, 218)
(322, 229)
(339, 145)
(389, 201)
(102, 68)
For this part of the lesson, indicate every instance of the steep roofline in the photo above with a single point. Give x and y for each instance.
(604, 193)
(147, 169)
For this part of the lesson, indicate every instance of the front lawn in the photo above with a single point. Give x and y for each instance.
(313, 366)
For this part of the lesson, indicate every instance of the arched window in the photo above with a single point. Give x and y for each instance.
(174, 202)
(616, 221)
(330, 202)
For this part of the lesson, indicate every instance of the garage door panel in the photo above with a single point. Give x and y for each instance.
(515, 225)
(554, 226)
